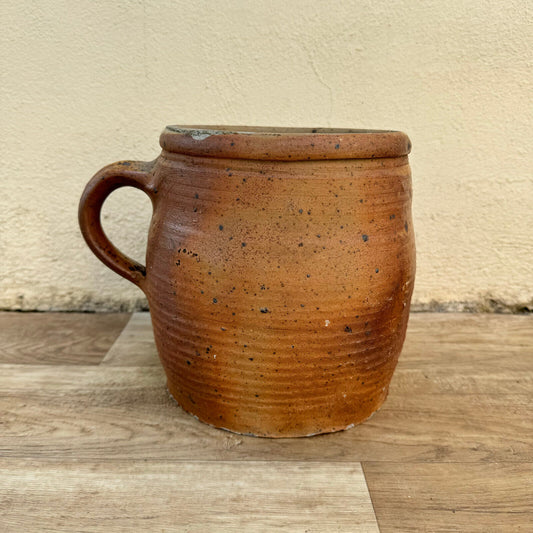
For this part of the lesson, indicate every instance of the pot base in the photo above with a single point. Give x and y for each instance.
(172, 391)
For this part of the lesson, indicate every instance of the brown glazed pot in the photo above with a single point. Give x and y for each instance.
(279, 270)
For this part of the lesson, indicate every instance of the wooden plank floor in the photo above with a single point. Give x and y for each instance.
(91, 441)
(58, 338)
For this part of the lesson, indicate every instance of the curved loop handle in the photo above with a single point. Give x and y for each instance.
(121, 174)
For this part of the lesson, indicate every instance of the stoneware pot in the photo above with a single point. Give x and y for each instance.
(279, 270)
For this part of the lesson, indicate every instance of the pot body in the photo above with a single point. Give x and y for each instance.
(279, 290)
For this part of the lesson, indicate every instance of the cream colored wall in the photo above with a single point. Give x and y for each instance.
(85, 83)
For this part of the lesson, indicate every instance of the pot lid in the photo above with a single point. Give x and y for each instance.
(284, 144)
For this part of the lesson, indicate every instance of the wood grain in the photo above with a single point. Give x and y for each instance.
(454, 340)
(135, 346)
(67, 414)
(451, 497)
(190, 497)
(85, 445)
(58, 338)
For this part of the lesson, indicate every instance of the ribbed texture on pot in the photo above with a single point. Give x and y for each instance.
(280, 291)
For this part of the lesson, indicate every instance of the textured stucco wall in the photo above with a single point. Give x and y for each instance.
(88, 82)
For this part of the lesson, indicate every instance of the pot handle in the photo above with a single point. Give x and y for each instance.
(121, 174)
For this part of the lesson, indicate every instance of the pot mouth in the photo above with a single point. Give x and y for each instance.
(199, 131)
(284, 143)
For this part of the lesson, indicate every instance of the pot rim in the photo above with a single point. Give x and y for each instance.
(284, 143)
